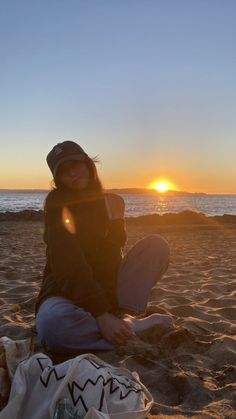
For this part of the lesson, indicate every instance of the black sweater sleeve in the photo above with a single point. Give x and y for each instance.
(73, 274)
(116, 233)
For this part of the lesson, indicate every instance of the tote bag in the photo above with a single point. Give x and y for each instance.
(86, 386)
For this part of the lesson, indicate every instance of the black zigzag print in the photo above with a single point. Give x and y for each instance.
(40, 364)
(75, 386)
(50, 370)
(80, 399)
(101, 399)
(111, 381)
(98, 367)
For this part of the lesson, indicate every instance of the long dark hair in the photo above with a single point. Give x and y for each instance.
(94, 189)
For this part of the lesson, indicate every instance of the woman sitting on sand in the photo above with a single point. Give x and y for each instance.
(90, 291)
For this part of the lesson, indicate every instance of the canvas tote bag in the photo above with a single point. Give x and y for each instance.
(88, 386)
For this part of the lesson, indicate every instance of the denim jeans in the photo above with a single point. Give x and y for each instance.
(64, 327)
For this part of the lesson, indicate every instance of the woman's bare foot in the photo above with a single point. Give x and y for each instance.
(139, 325)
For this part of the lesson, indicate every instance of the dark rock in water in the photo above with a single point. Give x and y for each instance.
(183, 218)
(224, 219)
(26, 215)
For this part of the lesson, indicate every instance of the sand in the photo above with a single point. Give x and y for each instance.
(190, 370)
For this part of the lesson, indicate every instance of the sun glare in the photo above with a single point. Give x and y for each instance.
(162, 185)
(68, 221)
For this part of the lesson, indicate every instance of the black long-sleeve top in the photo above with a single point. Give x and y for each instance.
(83, 254)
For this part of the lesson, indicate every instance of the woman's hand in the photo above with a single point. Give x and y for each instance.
(115, 330)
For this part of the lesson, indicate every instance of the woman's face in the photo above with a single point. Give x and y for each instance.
(74, 174)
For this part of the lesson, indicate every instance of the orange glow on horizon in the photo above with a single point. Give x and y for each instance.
(162, 185)
(187, 183)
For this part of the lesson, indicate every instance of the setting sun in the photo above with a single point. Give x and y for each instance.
(162, 185)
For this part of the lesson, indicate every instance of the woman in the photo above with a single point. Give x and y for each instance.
(90, 289)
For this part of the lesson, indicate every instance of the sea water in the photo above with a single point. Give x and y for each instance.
(135, 204)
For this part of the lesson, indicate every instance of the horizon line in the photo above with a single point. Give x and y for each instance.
(153, 189)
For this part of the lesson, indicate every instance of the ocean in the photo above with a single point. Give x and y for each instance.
(135, 204)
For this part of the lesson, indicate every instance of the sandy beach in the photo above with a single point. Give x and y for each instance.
(190, 370)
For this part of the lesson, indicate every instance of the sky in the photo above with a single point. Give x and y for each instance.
(147, 86)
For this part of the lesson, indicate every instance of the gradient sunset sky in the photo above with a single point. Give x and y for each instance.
(148, 86)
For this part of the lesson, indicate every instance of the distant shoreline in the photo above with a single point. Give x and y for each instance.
(128, 191)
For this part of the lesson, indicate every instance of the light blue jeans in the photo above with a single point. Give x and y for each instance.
(63, 327)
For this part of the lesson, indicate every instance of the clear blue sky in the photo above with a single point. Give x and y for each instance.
(148, 85)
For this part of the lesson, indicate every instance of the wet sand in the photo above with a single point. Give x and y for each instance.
(190, 370)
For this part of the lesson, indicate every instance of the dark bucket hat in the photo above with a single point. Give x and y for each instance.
(61, 152)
